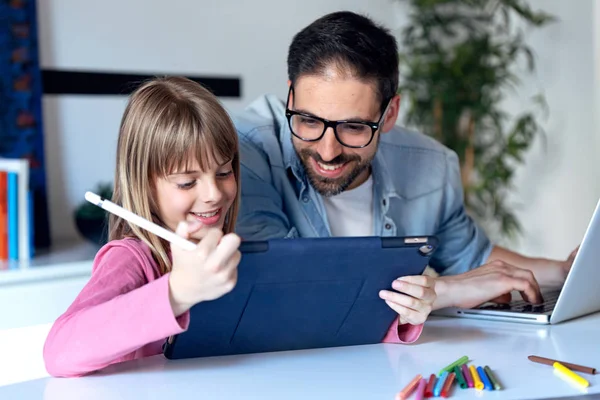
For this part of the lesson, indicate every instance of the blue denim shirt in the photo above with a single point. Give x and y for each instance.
(417, 190)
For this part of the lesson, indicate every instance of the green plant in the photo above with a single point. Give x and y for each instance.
(87, 210)
(458, 60)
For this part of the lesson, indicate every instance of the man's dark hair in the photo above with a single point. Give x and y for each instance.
(350, 42)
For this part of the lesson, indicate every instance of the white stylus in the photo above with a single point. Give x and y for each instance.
(139, 221)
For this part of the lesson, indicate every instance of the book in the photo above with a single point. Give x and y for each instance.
(18, 210)
(31, 224)
(3, 216)
(13, 216)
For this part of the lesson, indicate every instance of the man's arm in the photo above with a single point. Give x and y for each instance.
(548, 273)
(261, 215)
(472, 270)
(463, 243)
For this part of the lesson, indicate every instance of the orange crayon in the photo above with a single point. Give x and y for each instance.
(407, 391)
(448, 385)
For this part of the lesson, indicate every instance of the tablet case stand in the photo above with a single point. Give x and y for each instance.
(303, 293)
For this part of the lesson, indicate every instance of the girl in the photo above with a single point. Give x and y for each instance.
(177, 165)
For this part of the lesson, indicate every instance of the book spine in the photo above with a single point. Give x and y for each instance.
(3, 216)
(23, 187)
(13, 217)
(31, 225)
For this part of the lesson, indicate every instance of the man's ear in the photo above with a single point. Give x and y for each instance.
(391, 114)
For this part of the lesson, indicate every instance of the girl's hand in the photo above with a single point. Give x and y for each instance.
(413, 300)
(205, 273)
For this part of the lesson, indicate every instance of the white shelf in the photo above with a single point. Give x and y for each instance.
(62, 261)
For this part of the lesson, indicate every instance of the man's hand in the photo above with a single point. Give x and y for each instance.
(491, 282)
(548, 273)
(566, 265)
(413, 300)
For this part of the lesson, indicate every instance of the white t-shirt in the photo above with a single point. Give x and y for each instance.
(350, 213)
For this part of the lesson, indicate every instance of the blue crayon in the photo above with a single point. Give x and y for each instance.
(484, 378)
(440, 384)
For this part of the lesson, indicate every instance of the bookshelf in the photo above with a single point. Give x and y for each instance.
(62, 261)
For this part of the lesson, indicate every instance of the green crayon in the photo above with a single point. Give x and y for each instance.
(492, 377)
(460, 378)
(459, 362)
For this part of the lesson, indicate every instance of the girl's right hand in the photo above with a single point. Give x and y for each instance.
(205, 273)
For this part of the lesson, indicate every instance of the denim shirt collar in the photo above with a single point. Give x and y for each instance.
(383, 185)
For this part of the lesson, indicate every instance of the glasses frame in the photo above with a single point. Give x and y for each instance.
(333, 124)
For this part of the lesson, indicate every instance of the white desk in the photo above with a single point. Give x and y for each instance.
(360, 372)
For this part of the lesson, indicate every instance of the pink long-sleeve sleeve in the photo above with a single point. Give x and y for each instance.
(122, 313)
(404, 333)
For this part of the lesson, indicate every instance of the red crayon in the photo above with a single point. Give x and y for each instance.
(430, 386)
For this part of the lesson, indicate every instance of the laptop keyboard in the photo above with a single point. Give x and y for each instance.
(550, 299)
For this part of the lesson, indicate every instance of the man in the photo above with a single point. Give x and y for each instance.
(331, 162)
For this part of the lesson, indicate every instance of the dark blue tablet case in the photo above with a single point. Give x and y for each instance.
(303, 293)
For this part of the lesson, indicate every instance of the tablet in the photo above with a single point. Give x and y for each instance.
(304, 293)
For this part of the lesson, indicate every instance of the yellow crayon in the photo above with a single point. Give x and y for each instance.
(570, 376)
(476, 379)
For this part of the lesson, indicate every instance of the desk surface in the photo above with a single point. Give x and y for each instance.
(359, 372)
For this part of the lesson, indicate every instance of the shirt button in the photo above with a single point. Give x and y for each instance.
(388, 226)
(305, 199)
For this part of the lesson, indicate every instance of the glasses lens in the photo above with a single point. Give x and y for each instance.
(306, 127)
(354, 134)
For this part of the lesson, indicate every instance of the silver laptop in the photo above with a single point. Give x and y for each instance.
(579, 295)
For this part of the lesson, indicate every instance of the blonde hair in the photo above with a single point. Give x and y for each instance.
(166, 122)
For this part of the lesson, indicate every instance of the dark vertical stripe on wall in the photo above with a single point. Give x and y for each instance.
(109, 83)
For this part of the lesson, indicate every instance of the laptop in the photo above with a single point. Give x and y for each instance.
(303, 293)
(579, 295)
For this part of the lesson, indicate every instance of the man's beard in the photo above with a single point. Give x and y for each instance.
(328, 187)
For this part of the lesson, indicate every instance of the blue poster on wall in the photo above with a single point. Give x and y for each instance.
(21, 129)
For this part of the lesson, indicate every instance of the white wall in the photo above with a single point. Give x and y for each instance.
(213, 37)
(556, 190)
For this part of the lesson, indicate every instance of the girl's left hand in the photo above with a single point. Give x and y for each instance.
(413, 300)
